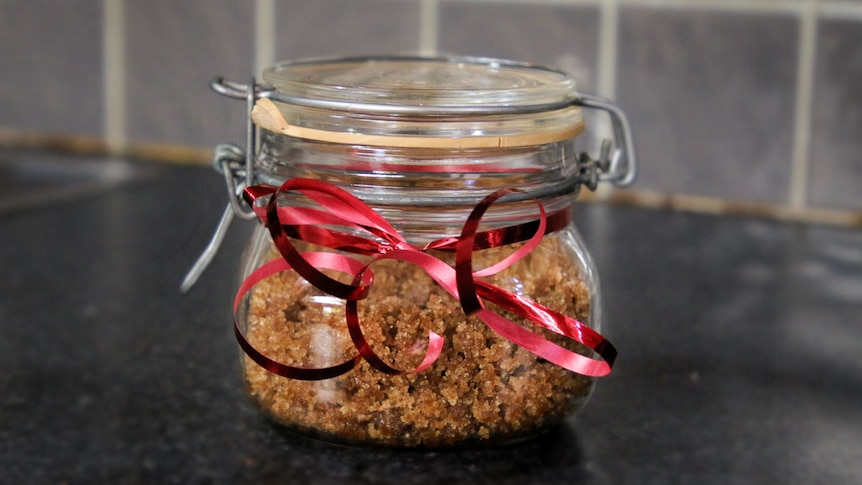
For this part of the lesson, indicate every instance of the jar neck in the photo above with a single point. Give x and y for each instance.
(429, 193)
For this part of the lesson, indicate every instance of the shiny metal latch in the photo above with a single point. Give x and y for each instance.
(616, 162)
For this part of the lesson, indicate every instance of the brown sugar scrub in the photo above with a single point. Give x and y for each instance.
(482, 389)
(404, 160)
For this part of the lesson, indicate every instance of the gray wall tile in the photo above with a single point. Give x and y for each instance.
(711, 97)
(836, 125)
(560, 36)
(51, 65)
(173, 50)
(310, 28)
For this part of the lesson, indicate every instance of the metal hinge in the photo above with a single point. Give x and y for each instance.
(616, 162)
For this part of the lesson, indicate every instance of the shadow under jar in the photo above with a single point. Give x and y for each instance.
(417, 279)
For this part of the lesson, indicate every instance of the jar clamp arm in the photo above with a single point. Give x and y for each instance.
(238, 170)
(615, 164)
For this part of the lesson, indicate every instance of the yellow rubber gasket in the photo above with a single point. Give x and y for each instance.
(266, 114)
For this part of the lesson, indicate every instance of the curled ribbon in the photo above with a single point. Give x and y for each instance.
(340, 208)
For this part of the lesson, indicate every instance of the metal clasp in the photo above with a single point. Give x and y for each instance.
(229, 159)
(616, 162)
(237, 166)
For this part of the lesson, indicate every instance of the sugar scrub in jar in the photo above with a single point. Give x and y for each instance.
(416, 278)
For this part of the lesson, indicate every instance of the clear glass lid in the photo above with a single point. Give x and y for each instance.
(421, 102)
(423, 86)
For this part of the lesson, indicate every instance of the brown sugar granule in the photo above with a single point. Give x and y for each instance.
(481, 389)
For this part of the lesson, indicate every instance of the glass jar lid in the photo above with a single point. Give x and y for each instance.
(424, 86)
(453, 102)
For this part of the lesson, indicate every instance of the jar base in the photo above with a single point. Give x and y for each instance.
(316, 438)
(428, 442)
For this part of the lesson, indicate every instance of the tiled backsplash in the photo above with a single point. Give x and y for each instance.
(711, 95)
(752, 101)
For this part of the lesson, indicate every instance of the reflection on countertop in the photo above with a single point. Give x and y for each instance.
(31, 179)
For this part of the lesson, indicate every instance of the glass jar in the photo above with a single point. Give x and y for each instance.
(417, 279)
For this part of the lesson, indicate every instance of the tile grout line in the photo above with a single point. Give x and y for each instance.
(606, 81)
(607, 55)
(847, 9)
(732, 5)
(799, 167)
(264, 35)
(741, 6)
(114, 76)
(841, 10)
(535, 2)
(429, 25)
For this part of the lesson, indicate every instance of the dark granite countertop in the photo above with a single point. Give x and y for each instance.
(740, 353)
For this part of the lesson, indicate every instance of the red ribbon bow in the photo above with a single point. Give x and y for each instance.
(343, 209)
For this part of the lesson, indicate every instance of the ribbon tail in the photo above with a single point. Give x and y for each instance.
(546, 349)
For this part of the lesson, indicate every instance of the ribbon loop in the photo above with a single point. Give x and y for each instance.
(435, 341)
(340, 209)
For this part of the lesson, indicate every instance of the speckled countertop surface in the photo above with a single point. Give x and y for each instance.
(740, 353)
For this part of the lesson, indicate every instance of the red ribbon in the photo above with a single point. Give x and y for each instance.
(340, 208)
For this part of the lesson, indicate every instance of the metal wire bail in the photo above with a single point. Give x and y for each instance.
(616, 162)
